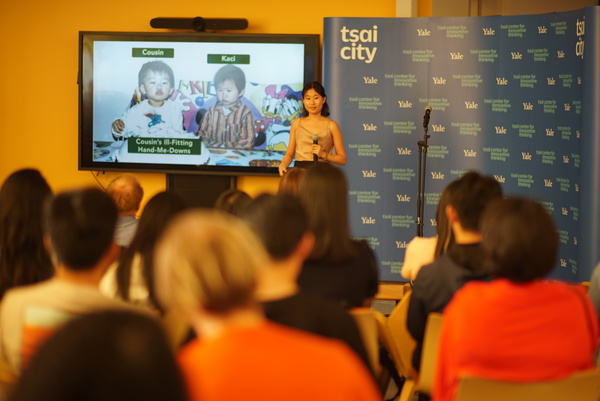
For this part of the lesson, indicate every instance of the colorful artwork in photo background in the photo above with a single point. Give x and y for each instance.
(507, 99)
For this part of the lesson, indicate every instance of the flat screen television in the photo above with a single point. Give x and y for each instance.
(207, 103)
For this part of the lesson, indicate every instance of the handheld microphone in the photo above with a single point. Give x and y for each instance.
(426, 116)
(315, 142)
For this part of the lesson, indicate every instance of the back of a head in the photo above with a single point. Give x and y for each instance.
(207, 260)
(469, 196)
(104, 356)
(81, 225)
(279, 221)
(158, 212)
(233, 201)
(520, 241)
(24, 260)
(323, 192)
(288, 184)
(127, 193)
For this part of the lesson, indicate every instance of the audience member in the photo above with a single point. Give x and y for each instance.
(132, 279)
(104, 356)
(422, 251)
(517, 327)
(23, 257)
(594, 290)
(233, 201)
(80, 225)
(436, 283)
(338, 267)
(288, 184)
(281, 298)
(208, 266)
(127, 194)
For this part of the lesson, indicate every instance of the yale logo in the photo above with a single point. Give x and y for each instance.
(574, 240)
(470, 153)
(435, 175)
(576, 187)
(564, 211)
(356, 50)
(526, 156)
(438, 128)
(401, 244)
(471, 105)
(501, 81)
(560, 54)
(369, 127)
(456, 56)
(577, 134)
(548, 183)
(488, 32)
(404, 151)
(369, 174)
(423, 32)
(542, 29)
(563, 263)
(370, 80)
(368, 220)
(527, 106)
(500, 179)
(439, 81)
(566, 159)
(403, 198)
(433, 222)
(500, 130)
(404, 104)
(567, 107)
(549, 132)
(516, 55)
(551, 81)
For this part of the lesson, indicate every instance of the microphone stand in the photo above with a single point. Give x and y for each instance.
(421, 173)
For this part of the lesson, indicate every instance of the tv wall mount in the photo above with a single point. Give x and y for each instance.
(200, 24)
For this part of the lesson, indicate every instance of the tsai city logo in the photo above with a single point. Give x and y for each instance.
(580, 31)
(359, 44)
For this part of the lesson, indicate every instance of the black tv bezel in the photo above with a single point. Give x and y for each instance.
(86, 161)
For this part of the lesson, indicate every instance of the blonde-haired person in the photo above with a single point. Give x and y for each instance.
(207, 267)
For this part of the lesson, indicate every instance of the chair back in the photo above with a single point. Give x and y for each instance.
(429, 354)
(401, 344)
(369, 332)
(581, 386)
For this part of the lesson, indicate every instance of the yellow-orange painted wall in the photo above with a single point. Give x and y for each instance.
(39, 63)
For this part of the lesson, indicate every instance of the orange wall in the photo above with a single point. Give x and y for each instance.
(38, 70)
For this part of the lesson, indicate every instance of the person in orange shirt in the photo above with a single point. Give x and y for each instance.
(207, 267)
(518, 327)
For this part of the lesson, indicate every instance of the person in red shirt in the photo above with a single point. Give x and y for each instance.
(518, 327)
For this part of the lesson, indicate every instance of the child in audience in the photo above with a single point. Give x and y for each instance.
(517, 327)
(157, 115)
(229, 123)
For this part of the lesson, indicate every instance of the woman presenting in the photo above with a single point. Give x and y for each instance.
(314, 125)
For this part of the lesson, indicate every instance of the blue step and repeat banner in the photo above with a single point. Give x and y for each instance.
(511, 96)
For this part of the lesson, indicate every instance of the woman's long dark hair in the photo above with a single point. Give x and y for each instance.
(156, 215)
(324, 193)
(23, 257)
